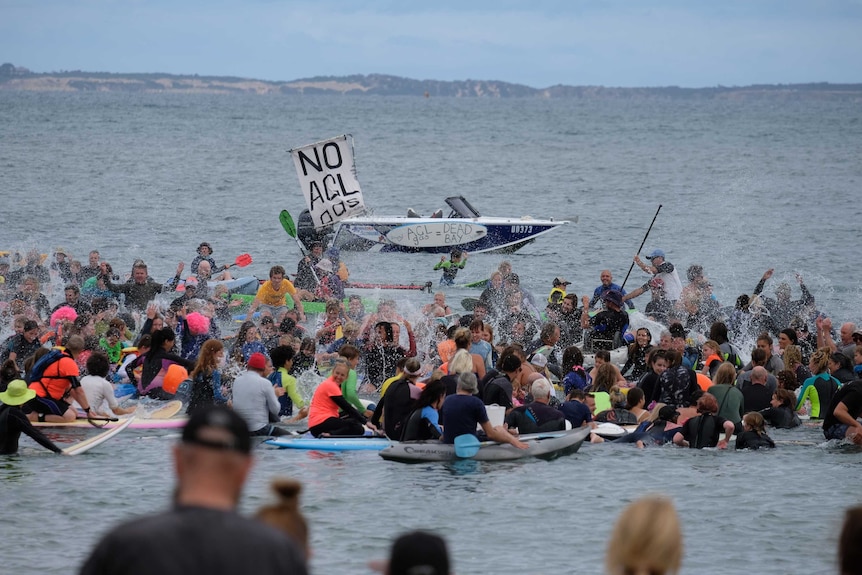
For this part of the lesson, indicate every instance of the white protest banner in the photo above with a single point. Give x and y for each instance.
(327, 176)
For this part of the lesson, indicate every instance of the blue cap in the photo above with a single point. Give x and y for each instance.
(656, 254)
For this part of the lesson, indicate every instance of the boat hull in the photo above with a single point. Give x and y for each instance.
(545, 445)
(439, 235)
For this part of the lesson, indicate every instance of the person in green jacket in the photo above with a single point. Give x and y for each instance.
(457, 261)
(349, 385)
(282, 361)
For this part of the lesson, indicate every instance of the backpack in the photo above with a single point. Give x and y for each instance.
(733, 358)
(38, 369)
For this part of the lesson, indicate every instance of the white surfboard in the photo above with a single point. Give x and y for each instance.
(436, 234)
(167, 411)
(88, 444)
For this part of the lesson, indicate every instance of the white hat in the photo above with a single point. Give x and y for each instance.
(539, 360)
(324, 265)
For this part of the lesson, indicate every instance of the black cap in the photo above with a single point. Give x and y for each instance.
(514, 279)
(419, 552)
(205, 245)
(219, 419)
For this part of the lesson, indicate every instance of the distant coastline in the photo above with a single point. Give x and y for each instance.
(21, 79)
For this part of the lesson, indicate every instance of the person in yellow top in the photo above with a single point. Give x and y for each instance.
(271, 295)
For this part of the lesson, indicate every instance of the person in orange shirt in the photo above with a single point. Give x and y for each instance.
(323, 416)
(271, 296)
(59, 381)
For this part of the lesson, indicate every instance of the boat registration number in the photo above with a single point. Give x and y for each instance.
(522, 229)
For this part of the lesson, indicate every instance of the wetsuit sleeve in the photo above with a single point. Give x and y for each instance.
(347, 408)
(110, 286)
(189, 365)
(803, 395)
(442, 265)
(216, 383)
(292, 392)
(758, 289)
(807, 298)
(378, 411)
(348, 390)
(21, 421)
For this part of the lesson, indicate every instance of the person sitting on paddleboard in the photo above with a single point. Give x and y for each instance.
(58, 382)
(255, 399)
(323, 413)
(450, 268)
(99, 391)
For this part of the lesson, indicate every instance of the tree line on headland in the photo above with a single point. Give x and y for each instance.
(18, 78)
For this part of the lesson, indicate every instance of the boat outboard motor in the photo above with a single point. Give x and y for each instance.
(307, 233)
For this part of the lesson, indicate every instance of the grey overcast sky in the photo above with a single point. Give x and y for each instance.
(688, 43)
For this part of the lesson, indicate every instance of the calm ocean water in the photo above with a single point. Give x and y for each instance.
(744, 186)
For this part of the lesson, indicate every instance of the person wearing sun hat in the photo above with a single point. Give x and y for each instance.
(205, 252)
(13, 422)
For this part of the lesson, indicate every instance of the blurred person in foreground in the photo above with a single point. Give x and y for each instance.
(416, 553)
(212, 462)
(850, 543)
(646, 539)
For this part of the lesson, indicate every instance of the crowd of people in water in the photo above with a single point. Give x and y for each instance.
(677, 371)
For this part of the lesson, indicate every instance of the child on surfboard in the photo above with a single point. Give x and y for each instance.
(457, 261)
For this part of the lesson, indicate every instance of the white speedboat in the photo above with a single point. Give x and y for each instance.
(464, 228)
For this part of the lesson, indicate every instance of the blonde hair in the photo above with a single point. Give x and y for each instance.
(646, 539)
(820, 360)
(285, 514)
(725, 375)
(461, 362)
(712, 344)
(792, 355)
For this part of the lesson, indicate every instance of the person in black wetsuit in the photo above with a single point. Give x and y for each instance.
(13, 422)
(423, 424)
(753, 435)
(155, 361)
(398, 402)
(608, 326)
(537, 416)
(705, 429)
(782, 413)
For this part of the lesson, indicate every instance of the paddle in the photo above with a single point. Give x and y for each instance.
(287, 223)
(467, 445)
(105, 420)
(242, 260)
(642, 246)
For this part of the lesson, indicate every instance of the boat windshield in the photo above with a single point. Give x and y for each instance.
(461, 208)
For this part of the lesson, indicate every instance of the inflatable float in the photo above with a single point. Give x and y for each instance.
(546, 445)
